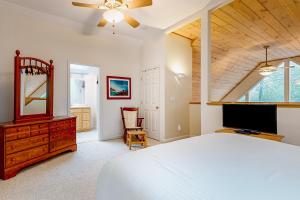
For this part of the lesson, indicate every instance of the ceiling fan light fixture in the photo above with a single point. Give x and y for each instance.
(113, 16)
(113, 3)
(267, 69)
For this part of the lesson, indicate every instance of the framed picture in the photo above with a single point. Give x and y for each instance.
(118, 87)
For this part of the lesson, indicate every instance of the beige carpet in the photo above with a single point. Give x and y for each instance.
(87, 136)
(71, 176)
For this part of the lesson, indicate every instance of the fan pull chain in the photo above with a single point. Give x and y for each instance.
(114, 26)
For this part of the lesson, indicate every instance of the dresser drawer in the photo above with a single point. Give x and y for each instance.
(55, 125)
(20, 157)
(60, 144)
(23, 144)
(62, 137)
(39, 132)
(61, 125)
(37, 127)
(17, 133)
(64, 134)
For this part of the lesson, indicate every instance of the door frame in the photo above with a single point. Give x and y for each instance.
(99, 89)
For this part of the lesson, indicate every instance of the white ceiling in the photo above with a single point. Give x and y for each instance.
(162, 14)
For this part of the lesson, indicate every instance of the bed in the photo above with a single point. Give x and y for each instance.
(208, 167)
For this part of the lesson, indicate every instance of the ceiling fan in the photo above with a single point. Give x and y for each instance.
(113, 10)
(267, 69)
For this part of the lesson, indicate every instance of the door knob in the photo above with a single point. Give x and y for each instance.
(157, 107)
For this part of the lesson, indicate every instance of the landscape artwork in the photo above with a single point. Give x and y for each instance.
(118, 87)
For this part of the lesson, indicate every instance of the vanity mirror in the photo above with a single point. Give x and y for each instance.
(33, 89)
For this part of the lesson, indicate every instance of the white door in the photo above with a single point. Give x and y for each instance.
(150, 104)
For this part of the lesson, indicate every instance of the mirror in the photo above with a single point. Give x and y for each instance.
(34, 79)
(33, 93)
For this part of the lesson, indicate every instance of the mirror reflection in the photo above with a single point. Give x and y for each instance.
(33, 92)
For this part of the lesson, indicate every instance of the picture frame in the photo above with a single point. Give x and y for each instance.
(118, 87)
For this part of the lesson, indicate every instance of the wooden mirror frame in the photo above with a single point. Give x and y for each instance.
(47, 68)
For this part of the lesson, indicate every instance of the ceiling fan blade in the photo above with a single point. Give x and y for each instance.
(139, 3)
(85, 5)
(102, 23)
(131, 21)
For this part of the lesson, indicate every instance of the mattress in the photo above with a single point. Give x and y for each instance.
(209, 167)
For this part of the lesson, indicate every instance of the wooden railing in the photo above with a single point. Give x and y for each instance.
(28, 100)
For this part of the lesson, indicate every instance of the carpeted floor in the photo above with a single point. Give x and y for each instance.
(87, 136)
(71, 176)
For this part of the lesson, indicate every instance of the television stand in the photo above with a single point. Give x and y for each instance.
(246, 132)
(268, 136)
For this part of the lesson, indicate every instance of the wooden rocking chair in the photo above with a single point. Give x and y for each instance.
(131, 121)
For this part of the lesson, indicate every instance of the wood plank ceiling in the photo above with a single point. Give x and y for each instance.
(239, 31)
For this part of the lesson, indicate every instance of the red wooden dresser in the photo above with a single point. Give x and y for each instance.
(34, 135)
(24, 144)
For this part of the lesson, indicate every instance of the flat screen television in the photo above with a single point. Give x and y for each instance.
(259, 118)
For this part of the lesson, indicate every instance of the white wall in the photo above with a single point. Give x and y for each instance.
(195, 119)
(48, 37)
(178, 91)
(288, 124)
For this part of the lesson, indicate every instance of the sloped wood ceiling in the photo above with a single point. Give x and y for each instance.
(240, 30)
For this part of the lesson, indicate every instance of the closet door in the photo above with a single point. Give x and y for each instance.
(150, 105)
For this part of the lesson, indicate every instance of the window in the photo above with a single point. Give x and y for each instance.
(294, 82)
(242, 99)
(77, 89)
(281, 86)
(270, 88)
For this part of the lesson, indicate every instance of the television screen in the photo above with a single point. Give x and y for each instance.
(261, 118)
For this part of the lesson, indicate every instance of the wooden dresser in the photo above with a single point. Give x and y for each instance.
(24, 144)
(83, 118)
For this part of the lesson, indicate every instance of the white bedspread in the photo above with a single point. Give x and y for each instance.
(209, 167)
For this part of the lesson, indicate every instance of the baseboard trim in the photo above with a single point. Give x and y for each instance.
(175, 138)
(111, 138)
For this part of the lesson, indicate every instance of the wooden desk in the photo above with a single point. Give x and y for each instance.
(267, 136)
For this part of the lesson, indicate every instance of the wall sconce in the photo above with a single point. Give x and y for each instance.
(180, 75)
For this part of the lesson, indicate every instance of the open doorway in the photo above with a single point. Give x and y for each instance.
(84, 99)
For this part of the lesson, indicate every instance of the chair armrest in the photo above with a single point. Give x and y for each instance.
(139, 121)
